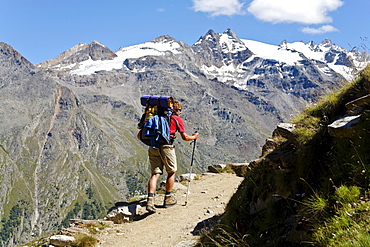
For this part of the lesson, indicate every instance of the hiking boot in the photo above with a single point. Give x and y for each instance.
(150, 205)
(169, 200)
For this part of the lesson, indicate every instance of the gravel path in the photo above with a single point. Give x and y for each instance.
(176, 225)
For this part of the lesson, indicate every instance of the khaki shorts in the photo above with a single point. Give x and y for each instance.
(164, 157)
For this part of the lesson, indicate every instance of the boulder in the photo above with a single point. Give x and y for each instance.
(343, 126)
(123, 212)
(185, 177)
(285, 130)
(61, 240)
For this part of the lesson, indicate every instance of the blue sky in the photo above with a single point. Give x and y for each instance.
(41, 30)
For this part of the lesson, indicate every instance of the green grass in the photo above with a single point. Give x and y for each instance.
(83, 240)
(349, 223)
(315, 207)
(224, 238)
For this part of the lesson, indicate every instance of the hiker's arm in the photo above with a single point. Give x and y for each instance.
(187, 137)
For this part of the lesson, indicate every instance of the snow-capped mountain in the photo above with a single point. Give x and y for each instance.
(334, 57)
(88, 64)
(288, 75)
(79, 54)
(276, 79)
(227, 55)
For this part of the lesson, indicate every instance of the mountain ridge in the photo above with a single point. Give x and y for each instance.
(244, 67)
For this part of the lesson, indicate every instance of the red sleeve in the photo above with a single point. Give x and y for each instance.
(177, 124)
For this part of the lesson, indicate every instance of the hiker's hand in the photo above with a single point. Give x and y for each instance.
(196, 135)
(138, 134)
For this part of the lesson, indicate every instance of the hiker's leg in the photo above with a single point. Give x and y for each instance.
(169, 199)
(152, 186)
(156, 166)
(152, 183)
(169, 156)
(170, 181)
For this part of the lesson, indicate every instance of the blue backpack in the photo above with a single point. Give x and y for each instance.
(155, 122)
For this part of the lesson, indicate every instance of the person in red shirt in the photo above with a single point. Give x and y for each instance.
(165, 158)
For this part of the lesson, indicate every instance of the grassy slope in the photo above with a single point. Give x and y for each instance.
(322, 201)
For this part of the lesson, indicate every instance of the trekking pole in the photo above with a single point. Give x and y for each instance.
(191, 166)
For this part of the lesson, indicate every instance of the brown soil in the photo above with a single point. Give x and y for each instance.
(176, 225)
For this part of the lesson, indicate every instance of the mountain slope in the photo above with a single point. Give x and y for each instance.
(313, 186)
(46, 157)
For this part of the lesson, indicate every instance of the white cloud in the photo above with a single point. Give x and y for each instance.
(219, 7)
(294, 11)
(320, 30)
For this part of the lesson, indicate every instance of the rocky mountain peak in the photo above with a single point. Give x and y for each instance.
(210, 36)
(230, 42)
(216, 39)
(311, 44)
(164, 39)
(314, 47)
(98, 51)
(10, 57)
(231, 34)
(283, 44)
(95, 42)
(226, 48)
(326, 43)
(79, 53)
(212, 33)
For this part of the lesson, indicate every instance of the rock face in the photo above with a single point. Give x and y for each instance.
(343, 126)
(68, 125)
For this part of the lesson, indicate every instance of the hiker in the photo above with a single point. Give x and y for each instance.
(165, 158)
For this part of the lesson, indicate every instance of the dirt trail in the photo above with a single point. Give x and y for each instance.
(175, 225)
